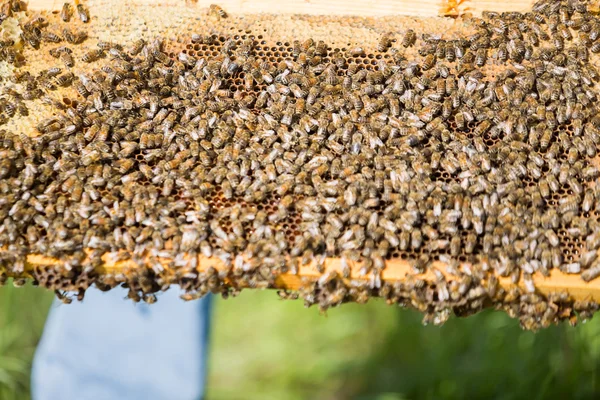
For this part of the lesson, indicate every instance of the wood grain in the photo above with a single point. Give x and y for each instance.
(366, 8)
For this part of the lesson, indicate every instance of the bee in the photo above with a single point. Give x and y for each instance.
(136, 47)
(428, 62)
(67, 59)
(65, 79)
(82, 12)
(9, 108)
(65, 299)
(416, 239)
(9, 54)
(51, 37)
(595, 47)
(74, 38)
(81, 89)
(482, 128)
(528, 282)
(32, 38)
(286, 295)
(450, 52)
(216, 10)
(103, 132)
(592, 273)
(321, 48)
(307, 45)
(410, 37)
(69, 36)
(385, 42)
(572, 155)
(357, 52)
(149, 298)
(481, 57)
(586, 259)
(455, 246)
(590, 172)
(107, 45)
(92, 55)
(572, 268)
(66, 12)
(545, 139)
(133, 294)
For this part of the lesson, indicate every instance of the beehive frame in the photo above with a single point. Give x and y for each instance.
(397, 269)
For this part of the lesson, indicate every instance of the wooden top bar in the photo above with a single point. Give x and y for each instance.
(364, 8)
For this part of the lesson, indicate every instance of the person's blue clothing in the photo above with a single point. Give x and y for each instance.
(108, 348)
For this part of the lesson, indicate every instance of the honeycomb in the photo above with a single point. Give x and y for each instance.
(444, 269)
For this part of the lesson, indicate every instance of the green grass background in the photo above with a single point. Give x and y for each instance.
(264, 348)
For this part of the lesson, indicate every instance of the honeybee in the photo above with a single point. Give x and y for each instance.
(92, 55)
(65, 12)
(410, 37)
(64, 298)
(385, 42)
(82, 12)
(48, 36)
(65, 79)
(69, 36)
(74, 37)
(481, 57)
(592, 273)
(67, 59)
(216, 10)
(357, 52)
(428, 62)
(134, 295)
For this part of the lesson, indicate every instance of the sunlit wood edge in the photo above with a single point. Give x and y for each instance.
(365, 8)
(396, 270)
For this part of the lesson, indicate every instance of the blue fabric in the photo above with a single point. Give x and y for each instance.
(107, 348)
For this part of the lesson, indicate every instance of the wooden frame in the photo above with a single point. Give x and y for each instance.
(396, 270)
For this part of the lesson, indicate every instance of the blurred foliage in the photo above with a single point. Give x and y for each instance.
(264, 348)
(22, 315)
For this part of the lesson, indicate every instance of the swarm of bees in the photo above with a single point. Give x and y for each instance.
(479, 153)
